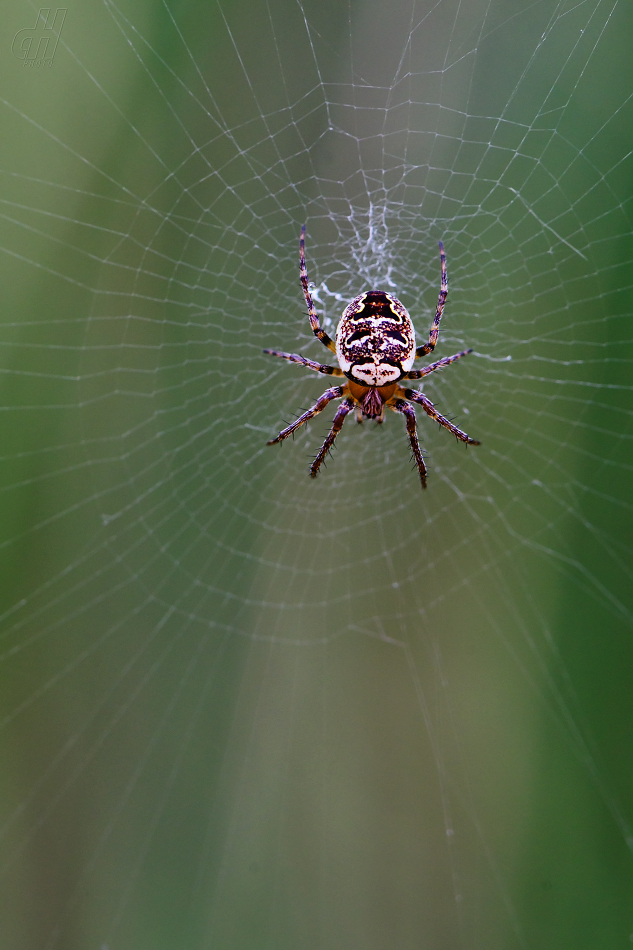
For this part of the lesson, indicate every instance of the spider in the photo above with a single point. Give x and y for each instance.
(375, 348)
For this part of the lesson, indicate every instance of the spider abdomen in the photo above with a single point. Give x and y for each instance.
(375, 339)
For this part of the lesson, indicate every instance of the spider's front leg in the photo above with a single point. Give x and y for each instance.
(336, 392)
(337, 425)
(407, 410)
(431, 411)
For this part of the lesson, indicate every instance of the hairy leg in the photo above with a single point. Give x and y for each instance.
(431, 411)
(317, 329)
(310, 364)
(337, 425)
(399, 405)
(336, 392)
(441, 300)
(420, 373)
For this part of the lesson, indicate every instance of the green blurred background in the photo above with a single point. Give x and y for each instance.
(238, 708)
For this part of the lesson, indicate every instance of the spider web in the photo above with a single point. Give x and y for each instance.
(240, 707)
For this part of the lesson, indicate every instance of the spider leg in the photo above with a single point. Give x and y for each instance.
(337, 425)
(407, 410)
(310, 364)
(435, 329)
(334, 393)
(420, 373)
(431, 411)
(318, 331)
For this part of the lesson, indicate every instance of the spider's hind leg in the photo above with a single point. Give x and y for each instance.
(317, 329)
(445, 361)
(309, 364)
(441, 300)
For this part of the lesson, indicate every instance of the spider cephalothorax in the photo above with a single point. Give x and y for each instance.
(375, 348)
